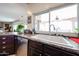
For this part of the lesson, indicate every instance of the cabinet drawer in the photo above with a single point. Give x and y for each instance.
(35, 44)
(6, 37)
(6, 47)
(7, 51)
(4, 42)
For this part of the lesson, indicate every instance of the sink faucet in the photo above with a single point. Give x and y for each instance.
(53, 27)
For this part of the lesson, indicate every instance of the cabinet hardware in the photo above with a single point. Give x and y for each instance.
(3, 47)
(3, 38)
(3, 42)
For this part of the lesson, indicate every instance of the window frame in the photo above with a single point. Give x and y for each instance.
(52, 9)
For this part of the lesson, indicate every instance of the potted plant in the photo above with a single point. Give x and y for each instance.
(20, 28)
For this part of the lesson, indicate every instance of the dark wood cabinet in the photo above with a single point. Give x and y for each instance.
(35, 52)
(9, 44)
(55, 51)
(36, 45)
(41, 49)
(6, 44)
(35, 48)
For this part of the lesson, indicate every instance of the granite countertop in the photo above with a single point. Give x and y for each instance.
(51, 40)
(57, 41)
(61, 41)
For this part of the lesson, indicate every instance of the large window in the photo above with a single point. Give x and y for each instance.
(59, 20)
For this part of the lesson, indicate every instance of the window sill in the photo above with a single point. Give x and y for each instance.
(59, 33)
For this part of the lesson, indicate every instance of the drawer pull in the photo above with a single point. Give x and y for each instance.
(3, 42)
(4, 47)
(3, 38)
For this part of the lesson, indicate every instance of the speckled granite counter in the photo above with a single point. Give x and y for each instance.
(65, 44)
(58, 41)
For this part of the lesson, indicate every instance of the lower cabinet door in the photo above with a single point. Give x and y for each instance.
(35, 52)
(53, 51)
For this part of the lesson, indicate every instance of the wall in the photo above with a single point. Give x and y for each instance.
(29, 13)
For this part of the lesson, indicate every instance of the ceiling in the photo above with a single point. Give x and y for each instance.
(37, 7)
(10, 12)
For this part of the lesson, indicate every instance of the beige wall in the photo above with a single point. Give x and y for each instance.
(29, 26)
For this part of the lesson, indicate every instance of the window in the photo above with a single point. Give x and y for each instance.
(59, 20)
(42, 22)
(64, 19)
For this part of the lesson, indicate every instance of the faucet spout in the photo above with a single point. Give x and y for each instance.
(53, 26)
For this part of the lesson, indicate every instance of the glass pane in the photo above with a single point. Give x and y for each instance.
(44, 27)
(64, 19)
(42, 22)
(36, 27)
(63, 26)
(64, 13)
(44, 17)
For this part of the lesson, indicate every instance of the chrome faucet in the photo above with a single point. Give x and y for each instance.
(53, 27)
